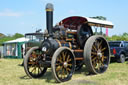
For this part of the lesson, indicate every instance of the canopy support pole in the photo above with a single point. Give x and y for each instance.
(101, 31)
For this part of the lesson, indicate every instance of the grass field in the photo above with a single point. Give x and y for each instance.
(13, 74)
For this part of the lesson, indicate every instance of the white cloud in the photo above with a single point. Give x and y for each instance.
(8, 12)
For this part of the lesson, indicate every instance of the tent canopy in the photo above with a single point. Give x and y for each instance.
(23, 39)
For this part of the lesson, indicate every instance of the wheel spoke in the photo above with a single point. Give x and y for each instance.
(94, 63)
(98, 66)
(93, 53)
(60, 59)
(94, 58)
(102, 64)
(40, 69)
(103, 57)
(68, 58)
(63, 56)
(94, 47)
(68, 69)
(33, 69)
(103, 49)
(100, 45)
(69, 65)
(58, 73)
(63, 73)
(67, 72)
(58, 68)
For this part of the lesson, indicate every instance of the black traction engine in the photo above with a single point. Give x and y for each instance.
(66, 48)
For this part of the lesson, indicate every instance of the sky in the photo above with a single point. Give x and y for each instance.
(25, 16)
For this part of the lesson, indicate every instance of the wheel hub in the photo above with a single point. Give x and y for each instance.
(65, 64)
(99, 53)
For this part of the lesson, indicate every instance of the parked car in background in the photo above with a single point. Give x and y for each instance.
(34, 40)
(119, 50)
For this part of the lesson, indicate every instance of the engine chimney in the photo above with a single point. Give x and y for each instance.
(49, 18)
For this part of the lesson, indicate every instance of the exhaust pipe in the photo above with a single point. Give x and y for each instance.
(49, 18)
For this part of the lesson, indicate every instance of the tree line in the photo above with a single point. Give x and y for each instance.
(122, 37)
(4, 38)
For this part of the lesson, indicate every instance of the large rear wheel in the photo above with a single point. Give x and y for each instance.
(96, 54)
(63, 64)
(32, 63)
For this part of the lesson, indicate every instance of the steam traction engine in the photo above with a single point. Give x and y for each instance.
(67, 46)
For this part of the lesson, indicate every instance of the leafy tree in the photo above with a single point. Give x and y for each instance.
(99, 17)
(1, 35)
(18, 35)
(123, 37)
(10, 37)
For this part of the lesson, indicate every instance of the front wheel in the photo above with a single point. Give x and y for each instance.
(96, 54)
(32, 63)
(63, 64)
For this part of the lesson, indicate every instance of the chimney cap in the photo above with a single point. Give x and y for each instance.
(49, 7)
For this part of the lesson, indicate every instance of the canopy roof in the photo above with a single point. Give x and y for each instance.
(74, 21)
(33, 34)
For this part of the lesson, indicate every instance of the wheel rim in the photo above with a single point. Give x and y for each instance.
(34, 66)
(100, 55)
(64, 66)
(122, 58)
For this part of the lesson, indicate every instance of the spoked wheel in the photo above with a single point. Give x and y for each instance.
(96, 54)
(63, 64)
(32, 63)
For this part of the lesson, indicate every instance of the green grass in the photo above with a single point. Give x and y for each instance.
(13, 74)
